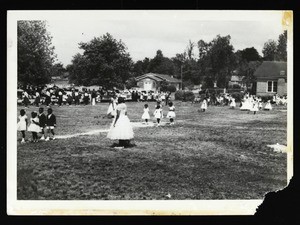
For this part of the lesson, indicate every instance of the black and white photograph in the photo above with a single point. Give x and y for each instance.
(148, 112)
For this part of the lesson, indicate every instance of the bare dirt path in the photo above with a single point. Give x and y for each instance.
(94, 132)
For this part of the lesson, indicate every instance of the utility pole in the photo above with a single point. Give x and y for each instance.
(181, 76)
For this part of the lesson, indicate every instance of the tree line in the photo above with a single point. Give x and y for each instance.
(106, 61)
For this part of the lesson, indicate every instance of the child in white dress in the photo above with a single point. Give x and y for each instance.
(171, 114)
(22, 124)
(158, 114)
(146, 115)
(232, 104)
(204, 105)
(34, 126)
(111, 111)
(121, 128)
(254, 108)
(268, 106)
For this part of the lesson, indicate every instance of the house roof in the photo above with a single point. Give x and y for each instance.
(236, 78)
(271, 70)
(158, 77)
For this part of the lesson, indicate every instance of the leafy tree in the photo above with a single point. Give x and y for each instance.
(269, 50)
(203, 48)
(250, 54)
(104, 62)
(161, 64)
(246, 70)
(141, 67)
(131, 82)
(35, 53)
(78, 70)
(190, 50)
(221, 59)
(58, 70)
(281, 50)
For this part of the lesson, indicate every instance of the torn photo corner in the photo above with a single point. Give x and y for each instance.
(96, 78)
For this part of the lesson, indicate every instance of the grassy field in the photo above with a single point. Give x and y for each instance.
(218, 154)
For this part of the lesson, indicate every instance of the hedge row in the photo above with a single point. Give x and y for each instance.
(184, 95)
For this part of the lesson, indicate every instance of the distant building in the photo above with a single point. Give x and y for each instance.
(238, 80)
(152, 81)
(271, 78)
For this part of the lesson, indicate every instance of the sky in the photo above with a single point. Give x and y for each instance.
(145, 33)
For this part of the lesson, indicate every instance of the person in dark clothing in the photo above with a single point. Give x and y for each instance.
(42, 122)
(51, 123)
(93, 95)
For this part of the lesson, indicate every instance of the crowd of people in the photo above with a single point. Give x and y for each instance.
(62, 96)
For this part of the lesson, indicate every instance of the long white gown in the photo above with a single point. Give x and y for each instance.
(123, 128)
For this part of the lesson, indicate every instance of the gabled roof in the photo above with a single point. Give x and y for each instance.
(271, 69)
(236, 78)
(158, 77)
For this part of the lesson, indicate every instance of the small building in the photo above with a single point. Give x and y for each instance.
(271, 78)
(236, 80)
(152, 81)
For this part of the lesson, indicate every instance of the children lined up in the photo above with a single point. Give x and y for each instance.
(158, 113)
(38, 123)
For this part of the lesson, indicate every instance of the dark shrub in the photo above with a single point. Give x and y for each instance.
(238, 96)
(236, 86)
(266, 98)
(188, 96)
(171, 88)
(184, 95)
(179, 95)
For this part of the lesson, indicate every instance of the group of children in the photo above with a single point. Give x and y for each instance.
(254, 104)
(38, 123)
(158, 113)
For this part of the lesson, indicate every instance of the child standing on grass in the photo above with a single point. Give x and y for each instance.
(51, 123)
(254, 108)
(22, 124)
(34, 126)
(146, 115)
(268, 106)
(42, 122)
(232, 103)
(158, 114)
(204, 105)
(171, 114)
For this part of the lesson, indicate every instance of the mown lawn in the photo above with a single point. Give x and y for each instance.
(219, 154)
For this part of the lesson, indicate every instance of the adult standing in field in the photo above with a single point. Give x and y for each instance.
(76, 94)
(94, 97)
(121, 128)
(48, 98)
(26, 99)
(86, 98)
(37, 98)
(60, 97)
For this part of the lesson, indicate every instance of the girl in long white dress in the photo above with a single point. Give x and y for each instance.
(22, 124)
(146, 115)
(121, 128)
